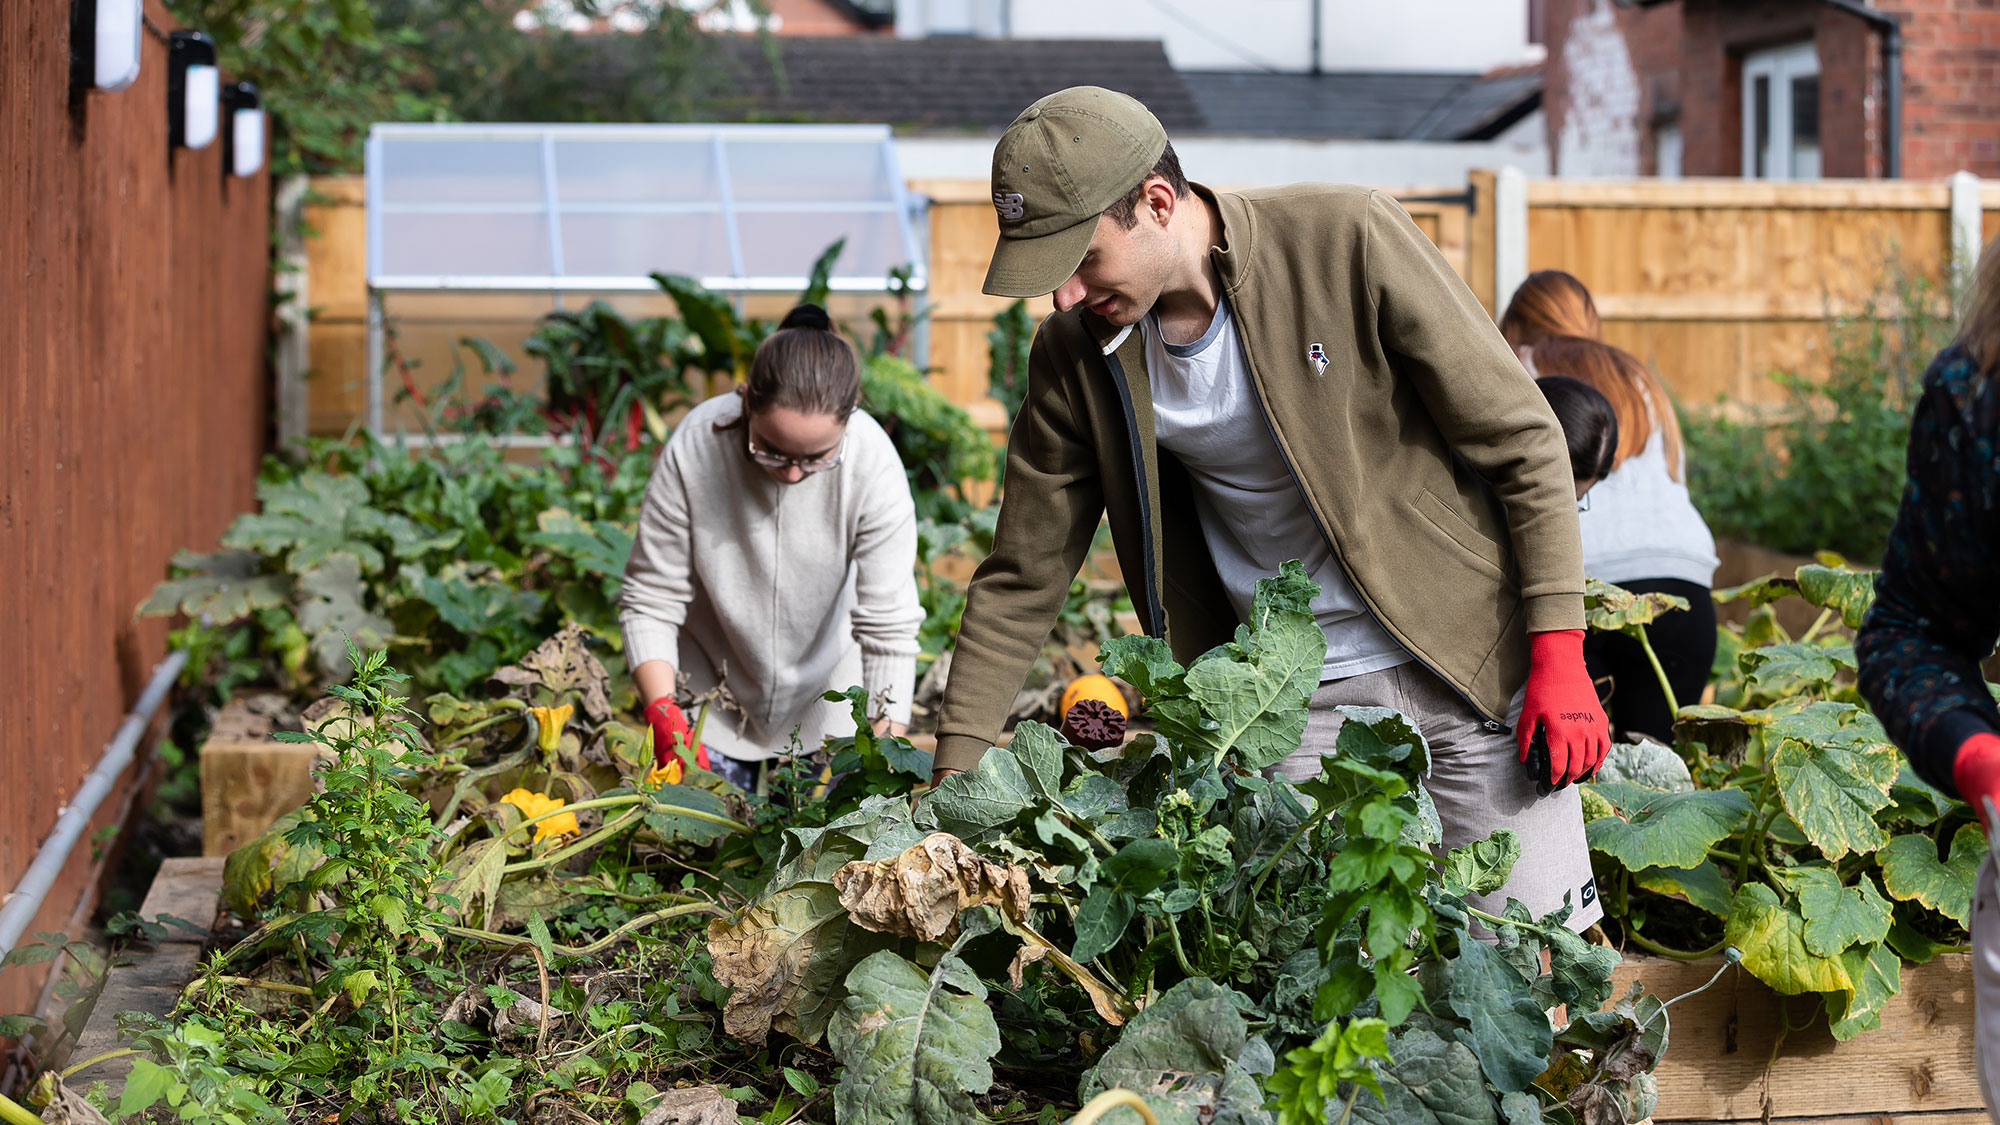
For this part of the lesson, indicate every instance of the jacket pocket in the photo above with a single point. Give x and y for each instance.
(1455, 527)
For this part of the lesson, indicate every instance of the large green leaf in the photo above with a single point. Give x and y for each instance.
(1702, 885)
(223, 587)
(1877, 974)
(1646, 763)
(1851, 592)
(1482, 866)
(1833, 768)
(1838, 916)
(972, 803)
(1615, 609)
(1510, 1033)
(1911, 871)
(1433, 1081)
(318, 516)
(1181, 1055)
(599, 547)
(1145, 662)
(1253, 692)
(1794, 667)
(332, 612)
(1771, 934)
(1655, 828)
(1579, 970)
(256, 871)
(914, 1046)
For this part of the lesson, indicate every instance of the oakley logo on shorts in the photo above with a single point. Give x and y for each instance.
(1589, 891)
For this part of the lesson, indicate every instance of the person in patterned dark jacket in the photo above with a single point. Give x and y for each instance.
(1937, 600)
(1937, 612)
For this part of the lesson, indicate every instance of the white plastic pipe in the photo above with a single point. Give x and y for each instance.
(18, 912)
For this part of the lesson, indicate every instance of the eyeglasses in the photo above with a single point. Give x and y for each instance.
(770, 460)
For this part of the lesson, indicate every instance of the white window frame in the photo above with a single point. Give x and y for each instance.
(1780, 66)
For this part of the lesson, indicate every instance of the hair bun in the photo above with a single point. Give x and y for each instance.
(807, 316)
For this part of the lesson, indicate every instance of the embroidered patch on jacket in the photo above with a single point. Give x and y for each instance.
(1316, 356)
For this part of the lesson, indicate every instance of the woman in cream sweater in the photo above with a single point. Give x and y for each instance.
(775, 555)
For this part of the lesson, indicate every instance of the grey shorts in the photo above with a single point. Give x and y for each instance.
(1476, 782)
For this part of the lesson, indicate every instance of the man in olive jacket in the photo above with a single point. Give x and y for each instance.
(1239, 379)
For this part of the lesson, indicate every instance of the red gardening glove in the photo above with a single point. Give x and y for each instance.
(670, 728)
(1976, 769)
(1562, 699)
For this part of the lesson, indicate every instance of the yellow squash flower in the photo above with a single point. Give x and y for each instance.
(534, 804)
(668, 773)
(549, 724)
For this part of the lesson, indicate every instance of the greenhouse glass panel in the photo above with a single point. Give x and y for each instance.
(570, 208)
(484, 229)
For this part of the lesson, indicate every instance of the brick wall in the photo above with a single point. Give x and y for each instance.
(1951, 91)
(1685, 61)
(1612, 73)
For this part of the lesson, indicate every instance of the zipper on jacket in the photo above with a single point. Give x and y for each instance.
(1156, 614)
(1333, 547)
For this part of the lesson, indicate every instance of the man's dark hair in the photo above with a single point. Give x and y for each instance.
(1125, 212)
(1589, 425)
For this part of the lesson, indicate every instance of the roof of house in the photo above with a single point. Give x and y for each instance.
(941, 82)
(1364, 105)
(980, 85)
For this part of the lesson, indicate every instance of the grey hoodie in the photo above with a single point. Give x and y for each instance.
(783, 590)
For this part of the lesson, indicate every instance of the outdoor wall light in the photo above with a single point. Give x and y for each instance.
(194, 94)
(243, 144)
(118, 26)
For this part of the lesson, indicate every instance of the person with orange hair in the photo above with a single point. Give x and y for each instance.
(1641, 531)
(1549, 303)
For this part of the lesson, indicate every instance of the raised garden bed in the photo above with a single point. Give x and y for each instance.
(1731, 1059)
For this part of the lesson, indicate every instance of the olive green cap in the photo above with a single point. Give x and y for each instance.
(1057, 168)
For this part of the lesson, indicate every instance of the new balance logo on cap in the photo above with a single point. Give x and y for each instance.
(1010, 205)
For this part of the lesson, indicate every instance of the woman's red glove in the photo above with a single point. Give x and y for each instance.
(1562, 699)
(1976, 769)
(670, 727)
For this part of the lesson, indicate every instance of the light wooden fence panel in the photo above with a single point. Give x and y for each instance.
(1716, 283)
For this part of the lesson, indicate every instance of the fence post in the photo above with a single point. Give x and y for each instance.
(1510, 235)
(1965, 226)
(293, 352)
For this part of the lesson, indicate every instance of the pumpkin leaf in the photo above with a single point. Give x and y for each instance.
(1833, 769)
(1771, 934)
(1838, 916)
(1912, 871)
(1656, 828)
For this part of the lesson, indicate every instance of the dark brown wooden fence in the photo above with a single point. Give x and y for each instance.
(134, 304)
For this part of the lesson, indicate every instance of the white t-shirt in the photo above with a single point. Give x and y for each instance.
(1252, 514)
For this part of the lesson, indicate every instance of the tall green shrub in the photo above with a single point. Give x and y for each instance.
(1824, 470)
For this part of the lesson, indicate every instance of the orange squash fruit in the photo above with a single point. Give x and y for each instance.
(1094, 687)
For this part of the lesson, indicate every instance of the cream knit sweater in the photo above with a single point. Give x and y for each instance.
(784, 591)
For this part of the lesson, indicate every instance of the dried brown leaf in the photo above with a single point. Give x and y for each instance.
(920, 893)
(696, 1105)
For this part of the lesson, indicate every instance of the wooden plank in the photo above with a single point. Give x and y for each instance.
(1703, 193)
(1959, 1117)
(248, 780)
(150, 978)
(1719, 1064)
